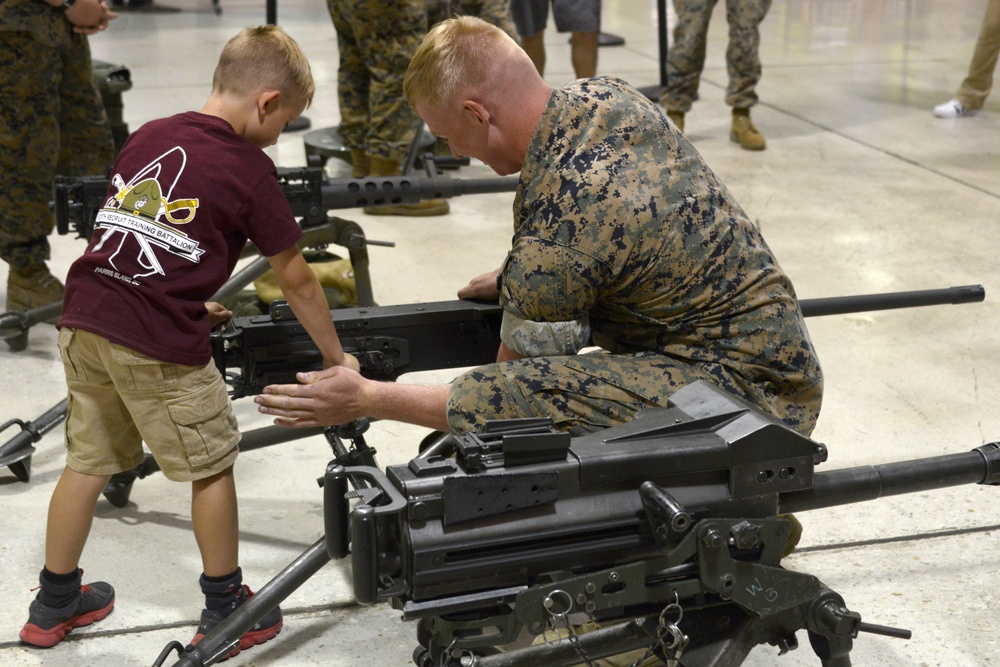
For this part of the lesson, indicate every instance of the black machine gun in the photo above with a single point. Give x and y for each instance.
(389, 341)
(310, 193)
(668, 532)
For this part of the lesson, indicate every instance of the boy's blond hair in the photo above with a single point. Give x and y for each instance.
(264, 57)
(455, 54)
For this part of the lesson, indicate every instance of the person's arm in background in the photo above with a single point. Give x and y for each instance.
(87, 16)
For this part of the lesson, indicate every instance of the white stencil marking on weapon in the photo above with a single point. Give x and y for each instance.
(770, 594)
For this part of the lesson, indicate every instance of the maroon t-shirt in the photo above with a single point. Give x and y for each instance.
(186, 193)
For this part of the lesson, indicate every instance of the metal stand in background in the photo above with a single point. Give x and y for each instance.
(302, 122)
(654, 92)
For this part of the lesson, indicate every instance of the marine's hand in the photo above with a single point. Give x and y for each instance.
(217, 313)
(324, 398)
(483, 286)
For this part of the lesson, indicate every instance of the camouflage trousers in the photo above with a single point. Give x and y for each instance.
(589, 392)
(496, 12)
(686, 56)
(376, 41)
(52, 121)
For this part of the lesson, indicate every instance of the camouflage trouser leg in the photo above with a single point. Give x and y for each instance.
(686, 56)
(52, 121)
(496, 12)
(581, 394)
(376, 41)
(743, 53)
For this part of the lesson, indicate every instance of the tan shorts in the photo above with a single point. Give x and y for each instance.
(120, 398)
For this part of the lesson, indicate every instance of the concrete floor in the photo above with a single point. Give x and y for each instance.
(860, 190)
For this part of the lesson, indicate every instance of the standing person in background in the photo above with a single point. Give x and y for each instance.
(978, 82)
(686, 60)
(52, 121)
(582, 18)
(376, 41)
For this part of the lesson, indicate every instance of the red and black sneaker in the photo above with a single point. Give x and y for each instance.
(265, 629)
(47, 626)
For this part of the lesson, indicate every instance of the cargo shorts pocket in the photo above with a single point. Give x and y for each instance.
(67, 351)
(206, 424)
(138, 373)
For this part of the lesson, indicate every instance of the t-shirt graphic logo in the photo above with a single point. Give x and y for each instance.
(142, 209)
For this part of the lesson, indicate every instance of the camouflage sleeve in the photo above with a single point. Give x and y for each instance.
(544, 339)
(548, 281)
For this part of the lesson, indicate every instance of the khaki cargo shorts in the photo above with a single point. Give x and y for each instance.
(120, 398)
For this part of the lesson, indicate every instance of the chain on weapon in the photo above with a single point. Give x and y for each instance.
(673, 648)
(549, 603)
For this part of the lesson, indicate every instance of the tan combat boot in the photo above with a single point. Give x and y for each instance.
(360, 165)
(31, 288)
(744, 133)
(677, 117)
(428, 207)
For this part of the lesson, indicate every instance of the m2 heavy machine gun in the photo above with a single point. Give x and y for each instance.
(310, 194)
(667, 533)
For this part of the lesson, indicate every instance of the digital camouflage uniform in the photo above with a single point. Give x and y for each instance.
(686, 57)
(376, 42)
(622, 234)
(52, 121)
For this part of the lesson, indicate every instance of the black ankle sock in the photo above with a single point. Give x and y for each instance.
(59, 590)
(221, 592)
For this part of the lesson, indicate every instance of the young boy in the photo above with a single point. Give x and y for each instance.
(186, 194)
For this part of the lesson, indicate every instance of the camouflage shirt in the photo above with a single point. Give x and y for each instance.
(622, 231)
(46, 23)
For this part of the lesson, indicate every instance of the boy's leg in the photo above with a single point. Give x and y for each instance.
(215, 517)
(62, 603)
(71, 514)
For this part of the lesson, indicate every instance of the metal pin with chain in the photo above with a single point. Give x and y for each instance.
(678, 641)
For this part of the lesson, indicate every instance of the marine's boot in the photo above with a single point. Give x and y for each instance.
(33, 287)
(428, 207)
(678, 119)
(360, 165)
(744, 133)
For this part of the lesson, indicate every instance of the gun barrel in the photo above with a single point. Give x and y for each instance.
(840, 305)
(851, 485)
(378, 191)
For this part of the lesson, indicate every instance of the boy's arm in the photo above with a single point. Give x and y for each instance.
(305, 295)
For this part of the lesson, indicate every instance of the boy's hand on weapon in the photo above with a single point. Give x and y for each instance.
(483, 286)
(331, 396)
(217, 313)
(350, 361)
